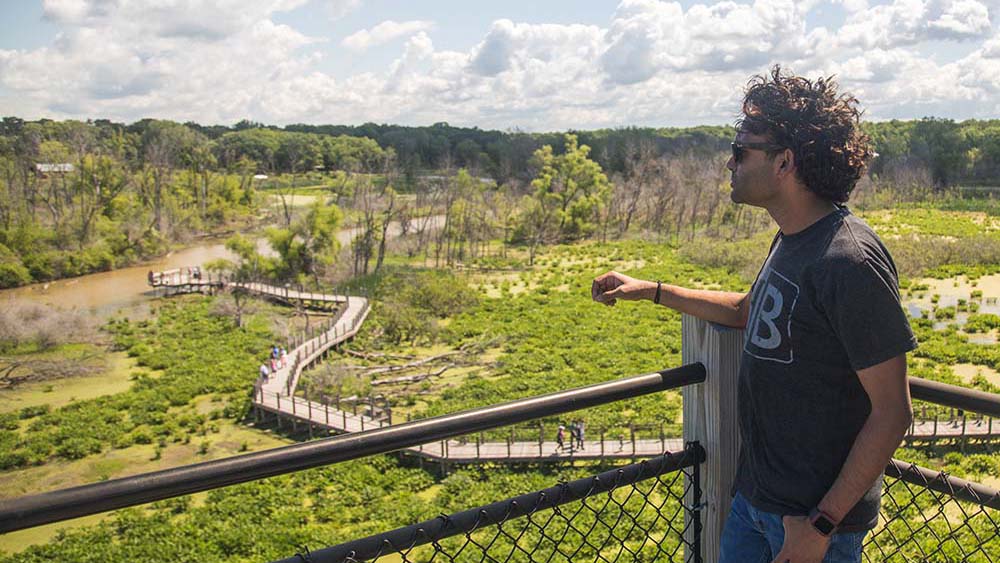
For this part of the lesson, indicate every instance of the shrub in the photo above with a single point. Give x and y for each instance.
(982, 322)
(8, 421)
(944, 313)
(12, 271)
(31, 412)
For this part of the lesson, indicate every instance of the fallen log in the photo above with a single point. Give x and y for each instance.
(411, 378)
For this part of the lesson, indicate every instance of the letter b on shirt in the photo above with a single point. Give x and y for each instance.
(769, 327)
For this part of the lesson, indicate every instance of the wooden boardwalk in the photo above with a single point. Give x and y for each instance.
(277, 394)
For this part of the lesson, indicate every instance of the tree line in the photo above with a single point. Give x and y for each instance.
(130, 190)
(954, 152)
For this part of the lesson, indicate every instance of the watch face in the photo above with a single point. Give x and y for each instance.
(824, 526)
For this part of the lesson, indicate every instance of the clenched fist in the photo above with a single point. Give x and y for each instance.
(612, 286)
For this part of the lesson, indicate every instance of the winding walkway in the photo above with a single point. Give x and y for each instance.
(277, 393)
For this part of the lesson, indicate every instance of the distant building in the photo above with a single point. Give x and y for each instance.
(45, 169)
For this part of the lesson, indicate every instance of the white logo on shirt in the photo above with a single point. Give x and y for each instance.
(770, 324)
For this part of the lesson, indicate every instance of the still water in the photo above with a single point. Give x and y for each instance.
(106, 292)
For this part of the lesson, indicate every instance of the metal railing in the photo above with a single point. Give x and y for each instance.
(631, 513)
(34, 510)
(931, 516)
(926, 516)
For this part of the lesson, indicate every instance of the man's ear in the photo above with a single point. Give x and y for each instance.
(786, 161)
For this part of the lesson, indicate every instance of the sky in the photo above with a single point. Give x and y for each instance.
(532, 65)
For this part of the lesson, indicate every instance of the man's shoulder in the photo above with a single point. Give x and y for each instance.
(852, 242)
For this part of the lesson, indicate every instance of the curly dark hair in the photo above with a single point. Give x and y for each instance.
(818, 125)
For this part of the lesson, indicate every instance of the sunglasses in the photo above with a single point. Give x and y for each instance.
(740, 148)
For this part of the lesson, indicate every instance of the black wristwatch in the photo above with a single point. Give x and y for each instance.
(822, 521)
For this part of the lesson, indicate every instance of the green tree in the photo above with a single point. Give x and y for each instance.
(570, 191)
(248, 265)
(939, 143)
(308, 245)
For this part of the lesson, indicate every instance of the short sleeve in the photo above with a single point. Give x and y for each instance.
(862, 304)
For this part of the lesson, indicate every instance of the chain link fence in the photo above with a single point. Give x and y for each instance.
(645, 511)
(650, 511)
(930, 516)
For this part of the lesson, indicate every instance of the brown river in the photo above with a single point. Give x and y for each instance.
(106, 292)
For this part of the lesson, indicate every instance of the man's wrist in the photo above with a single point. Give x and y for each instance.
(823, 522)
(647, 290)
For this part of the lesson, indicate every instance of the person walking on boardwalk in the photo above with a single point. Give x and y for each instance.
(579, 433)
(265, 373)
(823, 400)
(561, 438)
(572, 435)
(284, 357)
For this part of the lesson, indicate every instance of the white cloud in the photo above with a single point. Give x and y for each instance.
(340, 8)
(189, 19)
(964, 18)
(647, 37)
(651, 63)
(383, 33)
(907, 22)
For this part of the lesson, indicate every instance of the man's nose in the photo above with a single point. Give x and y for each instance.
(731, 163)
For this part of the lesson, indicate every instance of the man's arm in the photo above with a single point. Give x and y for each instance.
(721, 307)
(889, 393)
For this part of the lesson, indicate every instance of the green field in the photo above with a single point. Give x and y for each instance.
(525, 330)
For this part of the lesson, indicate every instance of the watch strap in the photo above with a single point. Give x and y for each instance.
(822, 522)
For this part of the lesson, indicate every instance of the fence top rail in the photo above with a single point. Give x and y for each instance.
(495, 513)
(34, 510)
(964, 398)
(941, 482)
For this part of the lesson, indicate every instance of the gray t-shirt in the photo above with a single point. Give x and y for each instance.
(825, 305)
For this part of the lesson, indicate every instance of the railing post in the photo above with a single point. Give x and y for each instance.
(709, 419)
(696, 546)
(964, 439)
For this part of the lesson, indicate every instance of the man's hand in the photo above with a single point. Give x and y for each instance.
(803, 543)
(608, 288)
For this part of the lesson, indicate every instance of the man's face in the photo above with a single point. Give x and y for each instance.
(752, 178)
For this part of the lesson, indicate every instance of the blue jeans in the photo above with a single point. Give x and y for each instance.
(753, 536)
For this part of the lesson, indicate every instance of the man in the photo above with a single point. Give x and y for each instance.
(823, 396)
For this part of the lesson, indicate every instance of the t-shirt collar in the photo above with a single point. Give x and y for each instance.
(839, 212)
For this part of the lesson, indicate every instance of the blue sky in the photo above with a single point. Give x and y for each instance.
(531, 65)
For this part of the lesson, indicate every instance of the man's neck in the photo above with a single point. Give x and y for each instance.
(794, 215)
